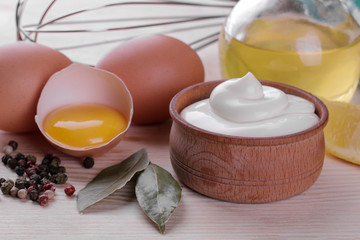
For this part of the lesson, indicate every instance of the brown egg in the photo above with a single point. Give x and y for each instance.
(154, 69)
(24, 70)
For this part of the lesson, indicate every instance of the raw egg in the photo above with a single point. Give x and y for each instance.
(154, 69)
(24, 70)
(84, 111)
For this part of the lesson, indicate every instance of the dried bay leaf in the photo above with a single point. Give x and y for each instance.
(158, 194)
(111, 179)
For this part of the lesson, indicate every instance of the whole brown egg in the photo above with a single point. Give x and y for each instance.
(154, 69)
(24, 69)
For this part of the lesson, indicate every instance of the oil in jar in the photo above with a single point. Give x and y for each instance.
(317, 58)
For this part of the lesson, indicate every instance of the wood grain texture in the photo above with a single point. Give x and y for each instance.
(245, 170)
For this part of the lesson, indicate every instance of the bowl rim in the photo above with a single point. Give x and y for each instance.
(320, 109)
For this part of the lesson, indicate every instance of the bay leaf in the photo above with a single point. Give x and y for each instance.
(158, 194)
(111, 179)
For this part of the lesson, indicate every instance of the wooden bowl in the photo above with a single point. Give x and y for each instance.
(245, 169)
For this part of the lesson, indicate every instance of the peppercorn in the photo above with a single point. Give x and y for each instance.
(50, 194)
(30, 189)
(43, 168)
(6, 187)
(14, 191)
(88, 162)
(33, 195)
(59, 178)
(13, 144)
(5, 158)
(62, 169)
(22, 163)
(2, 180)
(19, 170)
(21, 182)
(44, 175)
(46, 161)
(22, 193)
(7, 149)
(40, 188)
(69, 190)
(31, 158)
(43, 200)
(55, 162)
(35, 177)
(45, 181)
(32, 182)
(12, 163)
(49, 186)
(19, 156)
(54, 170)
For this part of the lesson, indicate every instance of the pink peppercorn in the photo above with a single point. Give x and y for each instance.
(49, 186)
(69, 190)
(43, 200)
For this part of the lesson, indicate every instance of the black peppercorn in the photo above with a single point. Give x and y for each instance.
(32, 182)
(45, 181)
(21, 163)
(33, 195)
(12, 163)
(44, 175)
(5, 158)
(88, 162)
(19, 156)
(13, 144)
(46, 161)
(62, 169)
(2, 180)
(43, 168)
(54, 170)
(20, 170)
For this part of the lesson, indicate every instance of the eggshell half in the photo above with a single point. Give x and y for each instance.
(80, 84)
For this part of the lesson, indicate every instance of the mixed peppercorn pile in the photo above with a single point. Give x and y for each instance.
(35, 181)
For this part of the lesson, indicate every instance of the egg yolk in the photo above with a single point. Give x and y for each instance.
(84, 125)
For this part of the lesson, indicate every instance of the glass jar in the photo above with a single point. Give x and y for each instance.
(310, 44)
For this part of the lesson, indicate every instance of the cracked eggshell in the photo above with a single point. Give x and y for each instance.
(79, 84)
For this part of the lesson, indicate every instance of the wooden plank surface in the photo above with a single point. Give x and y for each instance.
(330, 209)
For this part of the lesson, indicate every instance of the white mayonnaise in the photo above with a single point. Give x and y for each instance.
(243, 107)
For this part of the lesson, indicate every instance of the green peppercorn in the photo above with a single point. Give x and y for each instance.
(6, 187)
(14, 191)
(88, 162)
(7, 149)
(45, 181)
(59, 178)
(35, 177)
(21, 183)
(22, 193)
(13, 144)
(34, 195)
(31, 158)
(55, 162)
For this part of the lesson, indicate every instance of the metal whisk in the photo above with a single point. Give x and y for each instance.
(90, 27)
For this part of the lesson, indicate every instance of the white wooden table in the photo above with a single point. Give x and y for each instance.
(330, 209)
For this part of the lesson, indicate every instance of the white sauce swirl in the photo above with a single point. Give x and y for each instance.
(243, 107)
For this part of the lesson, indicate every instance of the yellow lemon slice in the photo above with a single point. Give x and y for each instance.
(342, 133)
